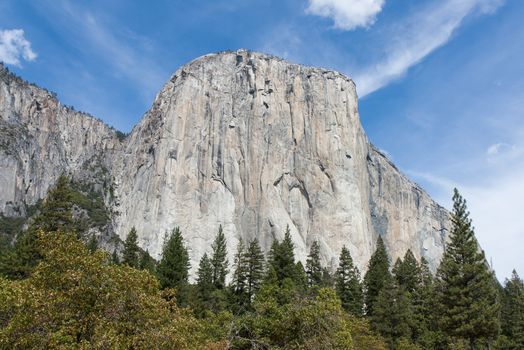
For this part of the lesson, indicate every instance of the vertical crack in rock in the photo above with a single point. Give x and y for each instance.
(241, 139)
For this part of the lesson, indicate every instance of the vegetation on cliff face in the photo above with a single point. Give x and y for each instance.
(57, 292)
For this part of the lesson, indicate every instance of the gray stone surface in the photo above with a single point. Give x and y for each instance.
(40, 139)
(241, 139)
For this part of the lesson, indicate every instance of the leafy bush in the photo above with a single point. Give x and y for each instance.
(77, 299)
(303, 323)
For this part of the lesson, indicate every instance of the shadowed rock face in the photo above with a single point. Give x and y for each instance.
(254, 143)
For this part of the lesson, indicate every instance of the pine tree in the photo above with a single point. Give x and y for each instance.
(131, 252)
(513, 312)
(55, 215)
(173, 268)
(241, 270)
(392, 313)
(287, 265)
(347, 284)
(299, 277)
(272, 276)
(147, 262)
(376, 276)
(255, 271)
(407, 272)
(416, 281)
(328, 279)
(219, 260)
(426, 278)
(18, 262)
(422, 299)
(205, 285)
(313, 267)
(281, 260)
(465, 287)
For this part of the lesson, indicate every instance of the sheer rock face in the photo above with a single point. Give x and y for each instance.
(40, 139)
(251, 142)
(255, 144)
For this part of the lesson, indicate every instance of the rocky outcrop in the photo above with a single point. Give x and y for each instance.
(241, 139)
(255, 143)
(40, 139)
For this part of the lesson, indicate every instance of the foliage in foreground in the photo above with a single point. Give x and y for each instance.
(77, 299)
(317, 322)
(61, 294)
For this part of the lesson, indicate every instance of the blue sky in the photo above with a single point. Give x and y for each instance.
(440, 81)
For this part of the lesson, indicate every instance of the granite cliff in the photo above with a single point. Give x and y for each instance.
(241, 139)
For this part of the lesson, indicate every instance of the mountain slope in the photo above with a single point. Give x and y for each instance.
(40, 139)
(248, 141)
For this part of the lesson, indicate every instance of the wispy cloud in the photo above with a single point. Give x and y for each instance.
(128, 54)
(422, 33)
(285, 43)
(503, 150)
(127, 60)
(347, 14)
(14, 47)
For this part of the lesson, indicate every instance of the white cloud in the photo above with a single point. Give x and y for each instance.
(347, 14)
(503, 149)
(14, 47)
(285, 42)
(421, 34)
(127, 60)
(496, 148)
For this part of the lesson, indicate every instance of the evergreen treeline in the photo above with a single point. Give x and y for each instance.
(57, 292)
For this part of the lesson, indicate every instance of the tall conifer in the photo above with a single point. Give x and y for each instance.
(255, 271)
(56, 215)
(513, 312)
(423, 306)
(465, 286)
(173, 268)
(281, 262)
(415, 281)
(313, 267)
(347, 284)
(376, 276)
(287, 257)
(392, 313)
(219, 259)
(147, 262)
(131, 254)
(205, 285)
(407, 272)
(240, 272)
